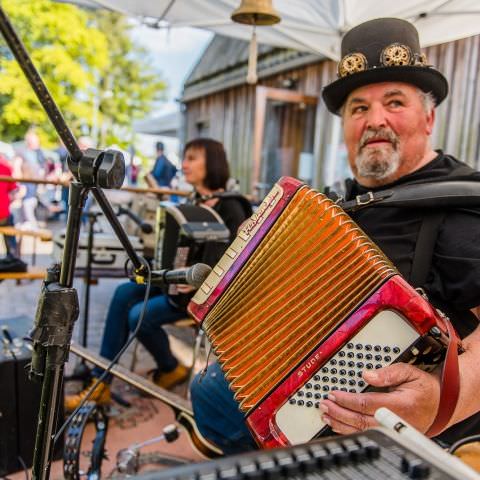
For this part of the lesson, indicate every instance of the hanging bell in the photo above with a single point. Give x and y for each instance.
(256, 12)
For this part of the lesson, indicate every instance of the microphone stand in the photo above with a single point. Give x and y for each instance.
(58, 308)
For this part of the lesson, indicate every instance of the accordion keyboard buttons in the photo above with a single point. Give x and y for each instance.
(332, 377)
(372, 347)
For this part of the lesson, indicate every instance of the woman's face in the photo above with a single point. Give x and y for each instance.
(194, 166)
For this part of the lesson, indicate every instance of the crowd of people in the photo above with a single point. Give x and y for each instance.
(29, 205)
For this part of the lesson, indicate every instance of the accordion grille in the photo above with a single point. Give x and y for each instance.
(309, 272)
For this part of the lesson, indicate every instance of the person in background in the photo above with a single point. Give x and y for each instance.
(63, 156)
(7, 190)
(205, 167)
(32, 166)
(163, 170)
(84, 142)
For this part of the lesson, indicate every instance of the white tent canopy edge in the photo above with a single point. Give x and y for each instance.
(308, 25)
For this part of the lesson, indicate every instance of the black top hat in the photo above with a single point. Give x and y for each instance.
(382, 50)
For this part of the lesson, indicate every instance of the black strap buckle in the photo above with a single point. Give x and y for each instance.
(364, 199)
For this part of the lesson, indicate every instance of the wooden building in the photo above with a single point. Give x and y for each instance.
(281, 126)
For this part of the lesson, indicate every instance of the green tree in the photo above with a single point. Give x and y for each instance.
(65, 50)
(95, 73)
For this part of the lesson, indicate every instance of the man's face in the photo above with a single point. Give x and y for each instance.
(386, 131)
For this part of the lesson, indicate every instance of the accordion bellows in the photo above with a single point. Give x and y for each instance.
(310, 270)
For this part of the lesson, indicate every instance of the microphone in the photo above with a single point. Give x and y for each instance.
(194, 275)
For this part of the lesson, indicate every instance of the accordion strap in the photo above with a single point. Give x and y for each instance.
(450, 193)
(450, 384)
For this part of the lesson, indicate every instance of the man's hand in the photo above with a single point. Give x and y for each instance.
(411, 393)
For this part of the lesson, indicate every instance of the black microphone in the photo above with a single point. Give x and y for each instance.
(194, 275)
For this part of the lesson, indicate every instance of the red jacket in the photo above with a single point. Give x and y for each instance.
(5, 188)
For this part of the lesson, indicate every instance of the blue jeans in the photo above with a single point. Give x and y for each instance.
(10, 240)
(122, 318)
(216, 413)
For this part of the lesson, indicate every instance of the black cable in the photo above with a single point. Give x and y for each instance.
(117, 357)
(459, 443)
(24, 466)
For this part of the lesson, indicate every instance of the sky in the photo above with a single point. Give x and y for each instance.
(175, 52)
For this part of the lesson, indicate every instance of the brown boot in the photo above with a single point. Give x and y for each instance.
(168, 380)
(101, 396)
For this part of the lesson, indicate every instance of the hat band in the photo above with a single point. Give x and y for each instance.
(393, 55)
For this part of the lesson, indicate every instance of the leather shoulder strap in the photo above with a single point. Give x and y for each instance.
(459, 189)
(425, 246)
(450, 384)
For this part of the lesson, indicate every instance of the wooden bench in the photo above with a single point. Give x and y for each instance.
(33, 273)
(43, 234)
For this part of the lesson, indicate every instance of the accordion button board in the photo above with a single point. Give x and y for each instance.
(380, 343)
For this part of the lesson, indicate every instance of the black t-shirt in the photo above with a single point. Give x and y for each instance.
(453, 283)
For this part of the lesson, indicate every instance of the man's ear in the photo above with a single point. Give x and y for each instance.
(430, 121)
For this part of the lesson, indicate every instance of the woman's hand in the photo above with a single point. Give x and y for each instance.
(412, 394)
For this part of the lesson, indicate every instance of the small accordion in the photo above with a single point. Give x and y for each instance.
(301, 302)
(187, 234)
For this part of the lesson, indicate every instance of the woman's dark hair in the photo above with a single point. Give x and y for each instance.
(216, 163)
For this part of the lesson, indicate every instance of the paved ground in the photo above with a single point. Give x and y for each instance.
(21, 299)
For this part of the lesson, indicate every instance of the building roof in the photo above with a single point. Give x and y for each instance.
(165, 124)
(224, 64)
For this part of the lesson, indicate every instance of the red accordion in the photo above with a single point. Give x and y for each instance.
(300, 304)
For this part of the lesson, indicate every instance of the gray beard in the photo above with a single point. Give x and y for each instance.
(377, 164)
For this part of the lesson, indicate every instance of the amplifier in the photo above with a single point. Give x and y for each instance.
(20, 398)
(377, 454)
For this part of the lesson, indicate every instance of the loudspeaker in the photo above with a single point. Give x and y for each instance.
(8, 418)
(20, 399)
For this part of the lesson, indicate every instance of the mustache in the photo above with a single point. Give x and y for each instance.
(378, 134)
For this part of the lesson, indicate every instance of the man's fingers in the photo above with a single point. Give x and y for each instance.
(339, 427)
(391, 376)
(345, 421)
(364, 403)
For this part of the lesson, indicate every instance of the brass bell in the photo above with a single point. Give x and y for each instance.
(256, 12)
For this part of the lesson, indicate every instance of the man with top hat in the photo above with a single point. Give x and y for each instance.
(386, 94)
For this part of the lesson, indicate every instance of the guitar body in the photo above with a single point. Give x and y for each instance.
(181, 407)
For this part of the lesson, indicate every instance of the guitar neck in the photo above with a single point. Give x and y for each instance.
(178, 403)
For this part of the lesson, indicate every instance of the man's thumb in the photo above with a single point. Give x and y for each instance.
(389, 376)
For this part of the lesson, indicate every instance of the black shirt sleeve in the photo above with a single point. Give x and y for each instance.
(456, 261)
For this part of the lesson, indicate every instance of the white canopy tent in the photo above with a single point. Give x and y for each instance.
(307, 25)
